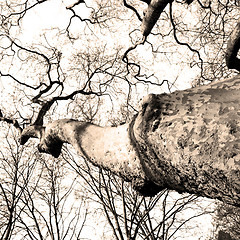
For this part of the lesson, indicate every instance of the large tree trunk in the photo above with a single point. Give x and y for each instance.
(110, 148)
(188, 141)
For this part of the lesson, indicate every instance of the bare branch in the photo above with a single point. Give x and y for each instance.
(126, 60)
(47, 105)
(183, 43)
(75, 4)
(133, 9)
(10, 121)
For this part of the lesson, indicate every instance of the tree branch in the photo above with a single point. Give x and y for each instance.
(152, 14)
(183, 43)
(10, 121)
(133, 9)
(233, 46)
(75, 4)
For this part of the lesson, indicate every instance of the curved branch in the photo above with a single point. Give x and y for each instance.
(126, 60)
(183, 43)
(133, 9)
(233, 46)
(47, 105)
(22, 13)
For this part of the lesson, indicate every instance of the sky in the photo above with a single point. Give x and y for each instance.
(47, 16)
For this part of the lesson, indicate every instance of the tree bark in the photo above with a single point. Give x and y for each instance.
(188, 141)
(110, 148)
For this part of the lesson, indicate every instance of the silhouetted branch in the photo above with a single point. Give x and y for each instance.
(126, 60)
(75, 4)
(133, 9)
(183, 43)
(10, 121)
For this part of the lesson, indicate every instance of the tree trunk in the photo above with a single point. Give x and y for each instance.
(188, 141)
(110, 148)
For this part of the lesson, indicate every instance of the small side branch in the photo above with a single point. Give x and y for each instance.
(233, 46)
(10, 121)
(75, 4)
(184, 43)
(48, 104)
(133, 9)
(126, 60)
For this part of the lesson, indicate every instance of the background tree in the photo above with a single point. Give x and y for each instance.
(38, 199)
(14, 180)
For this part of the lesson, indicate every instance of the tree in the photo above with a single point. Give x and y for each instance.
(14, 180)
(37, 197)
(186, 141)
(52, 211)
(138, 151)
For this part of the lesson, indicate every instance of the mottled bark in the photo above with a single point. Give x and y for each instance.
(233, 46)
(188, 141)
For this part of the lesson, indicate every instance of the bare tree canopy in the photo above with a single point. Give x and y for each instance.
(186, 141)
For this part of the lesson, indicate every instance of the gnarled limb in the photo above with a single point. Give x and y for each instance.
(188, 141)
(233, 46)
